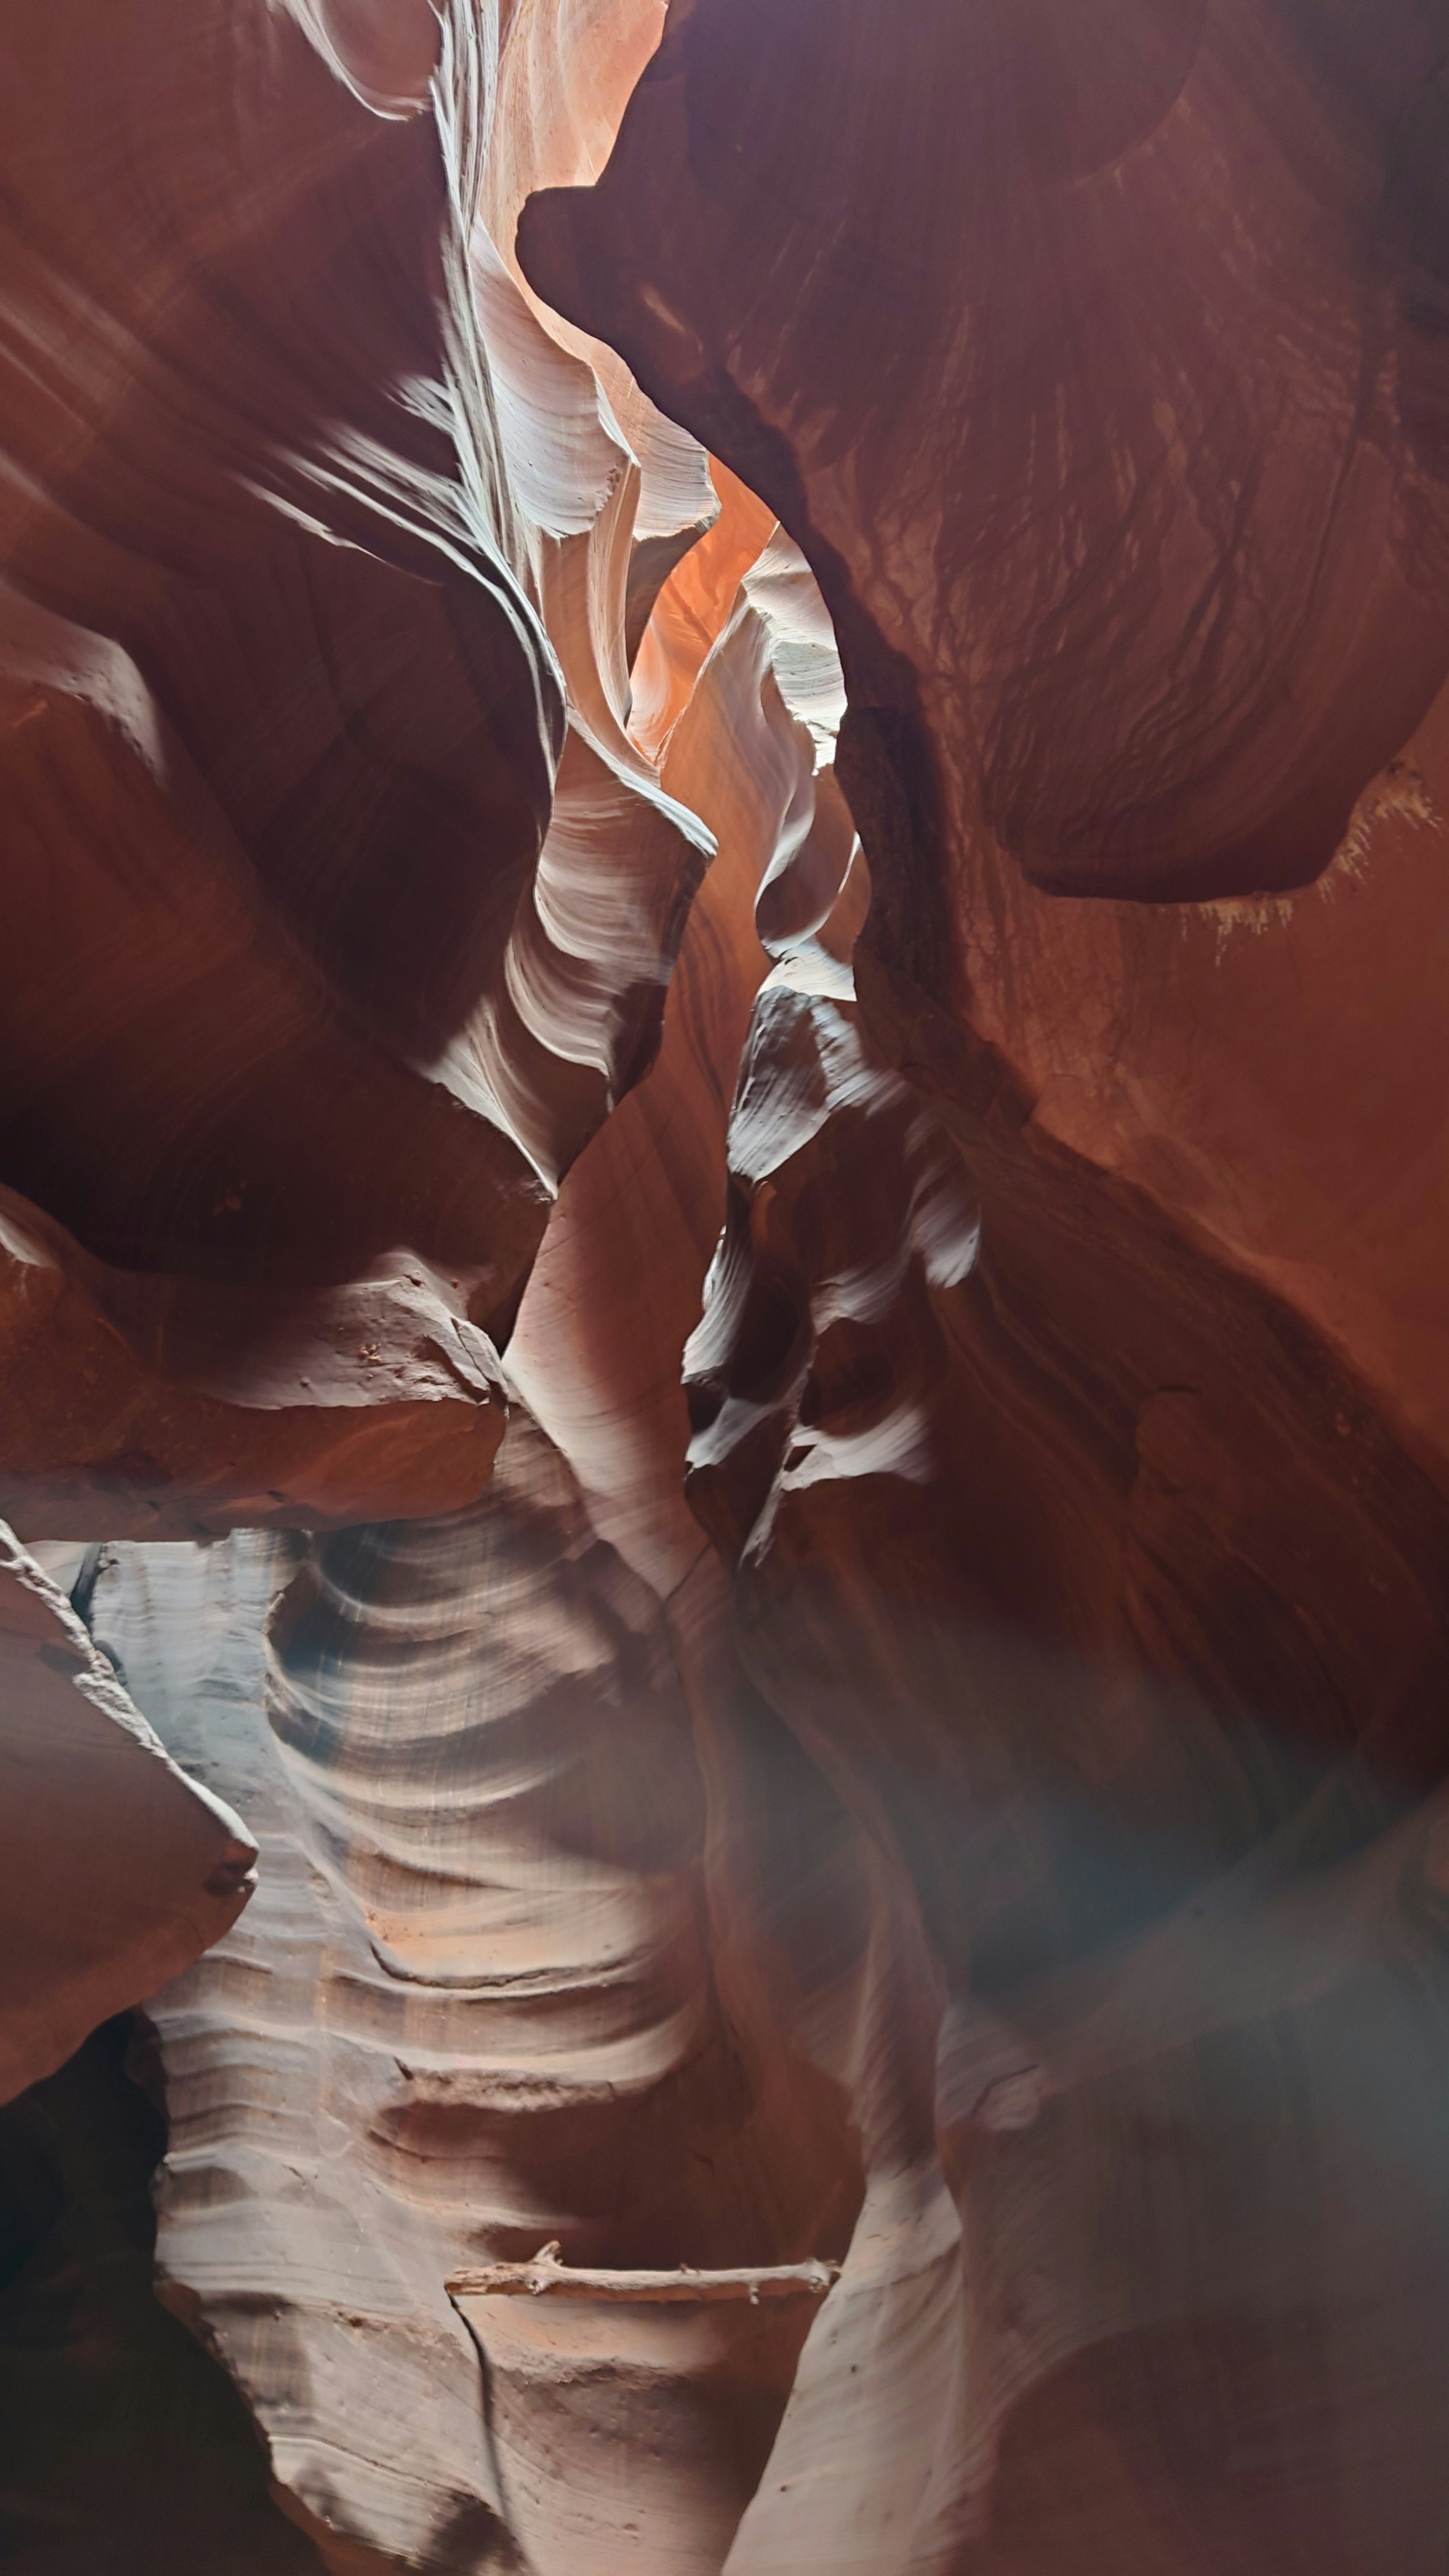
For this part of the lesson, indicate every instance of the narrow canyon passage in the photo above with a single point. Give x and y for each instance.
(724, 1288)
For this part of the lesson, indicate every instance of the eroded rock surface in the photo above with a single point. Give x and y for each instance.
(116, 1870)
(311, 959)
(468, 1756)
(1093, 357)
(727, 758)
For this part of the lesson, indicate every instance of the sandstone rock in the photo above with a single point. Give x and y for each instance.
(726, 732)
(311, 978)
(116, 1871)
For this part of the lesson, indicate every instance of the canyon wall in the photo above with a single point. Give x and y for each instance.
(724, 1170)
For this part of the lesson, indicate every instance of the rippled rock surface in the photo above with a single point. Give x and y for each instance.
(723, 1203)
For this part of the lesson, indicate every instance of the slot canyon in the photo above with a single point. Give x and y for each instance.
(724, 1287)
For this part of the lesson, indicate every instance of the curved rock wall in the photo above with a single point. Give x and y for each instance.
(728, 766)
(298, 493)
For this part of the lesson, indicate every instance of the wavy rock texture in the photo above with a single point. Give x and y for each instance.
(116, 1870)
(489, 1862)
(675, 681)
(1153, 1731)
(1094, 359)
(550, 2018)
(1101, 1572)
(309, 964)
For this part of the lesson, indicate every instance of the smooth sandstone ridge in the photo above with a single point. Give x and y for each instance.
(724, 1194)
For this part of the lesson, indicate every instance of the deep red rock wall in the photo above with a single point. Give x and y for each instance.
(726, 771)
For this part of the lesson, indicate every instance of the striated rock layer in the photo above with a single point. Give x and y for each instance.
(1086, 1513)
(1094, 358)
(339, 906)
(116, 1870)
(481, 1818)
(726, 757)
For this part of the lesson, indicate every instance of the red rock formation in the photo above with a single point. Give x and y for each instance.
(116, 1871)
(1097, 389)
(928, 1756)
(522, 2035)
(277, 674)
(1093, 357)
